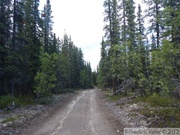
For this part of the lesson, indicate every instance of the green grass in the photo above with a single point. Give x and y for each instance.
(45, 100)
(11, 119)
(109, 94)
(155, 101)
(168, 117)
(31, 101)
(160, 107)
(114, 97)
(7, 100)
(156, 107)
(27, 100)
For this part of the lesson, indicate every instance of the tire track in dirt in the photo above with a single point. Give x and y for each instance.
(81, 116)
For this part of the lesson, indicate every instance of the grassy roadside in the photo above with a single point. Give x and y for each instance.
(9, 102)
(12, 119)
(162, 112)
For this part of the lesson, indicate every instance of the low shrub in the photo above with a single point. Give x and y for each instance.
(159, 101)
(45, 100)
(167, 117)
(8, 100)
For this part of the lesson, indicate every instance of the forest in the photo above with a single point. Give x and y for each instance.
(43, 77)
(33, 60)
(140, 50)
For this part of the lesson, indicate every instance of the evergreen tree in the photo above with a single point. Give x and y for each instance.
(5, 41)
(141, 56)
(102, 72)
(154, 12)
(112, 35)
(46, 76)
(94, 78)
(33, 42)
(72, 71)
(123, 63)
(47, 26)
(128, 46)
(171, 47)
(130, 33)
(23, 66)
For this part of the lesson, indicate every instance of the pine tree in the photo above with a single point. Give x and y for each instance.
(103, 71)
(112, 34)
(14, 69)
(32, 42)
(5, 41)
(172, 38)
(124, 71)
(46, 76)
(130, 32)
(47, 26)
(94, 78)
(23, 66)
(154, 12)
(54, 48)
(141, 55)
(127, 38)
(72, 71)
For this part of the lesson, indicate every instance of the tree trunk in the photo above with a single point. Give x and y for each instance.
(114, 85)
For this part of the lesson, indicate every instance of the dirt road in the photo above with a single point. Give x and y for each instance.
(83, 115)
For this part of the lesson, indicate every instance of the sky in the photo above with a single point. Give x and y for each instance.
(83, 21)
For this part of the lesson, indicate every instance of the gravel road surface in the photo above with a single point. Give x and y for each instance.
(83, 115)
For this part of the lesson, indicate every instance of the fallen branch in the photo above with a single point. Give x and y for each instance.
(132, 97)
(124, 87)
(10, 107)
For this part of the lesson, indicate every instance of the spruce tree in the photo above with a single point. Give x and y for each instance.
(32, 42)
(172, 37)
(130, 33)
(47, 26)
(154, 13)
(112, 34)
(103, 68)
(5, 42)
(141, 66)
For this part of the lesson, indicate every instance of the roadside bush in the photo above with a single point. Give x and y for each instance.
(45, 100)
(8, 100)
(156, 100)
(159, 101)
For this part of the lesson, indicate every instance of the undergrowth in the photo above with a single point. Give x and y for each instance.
(164, 117)
(159, 109)
(9, 100)
(156, 101)
(45, 100)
